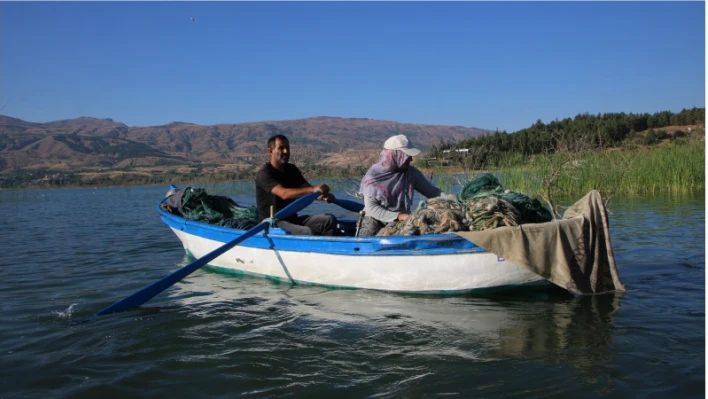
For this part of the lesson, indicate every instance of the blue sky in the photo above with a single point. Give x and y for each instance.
(476, 64)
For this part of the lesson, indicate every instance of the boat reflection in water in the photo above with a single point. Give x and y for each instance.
(322, 329)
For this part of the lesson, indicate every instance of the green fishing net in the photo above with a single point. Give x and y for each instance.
(485, 185)
(216, 209)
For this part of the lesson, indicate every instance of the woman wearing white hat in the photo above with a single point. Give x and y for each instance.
(388, 186)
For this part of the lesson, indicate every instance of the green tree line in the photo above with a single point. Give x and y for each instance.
(599, 131)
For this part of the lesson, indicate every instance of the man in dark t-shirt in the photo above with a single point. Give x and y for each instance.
(279, 183)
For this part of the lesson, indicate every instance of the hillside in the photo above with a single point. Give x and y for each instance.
(85, 144)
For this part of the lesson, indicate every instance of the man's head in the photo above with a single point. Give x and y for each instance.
(279, 150)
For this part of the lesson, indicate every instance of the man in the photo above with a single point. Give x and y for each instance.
(279, 183)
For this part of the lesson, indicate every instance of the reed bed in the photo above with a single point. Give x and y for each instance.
(678, 169)
(673, 168)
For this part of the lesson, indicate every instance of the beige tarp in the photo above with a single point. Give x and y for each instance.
(574, 253)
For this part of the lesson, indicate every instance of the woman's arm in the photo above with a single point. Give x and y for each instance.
(423, 186)
(373, 208)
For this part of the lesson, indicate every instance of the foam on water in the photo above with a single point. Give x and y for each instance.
(65, 315)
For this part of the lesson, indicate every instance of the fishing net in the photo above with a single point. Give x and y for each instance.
(482, 185)
(485, 185)
(199, 206)
(482, 204)
(490, 212)
(436, 215)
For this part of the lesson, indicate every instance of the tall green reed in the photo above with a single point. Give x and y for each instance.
(673, 168)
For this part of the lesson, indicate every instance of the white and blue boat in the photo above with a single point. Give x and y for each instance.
(425, 264)
(574, 253)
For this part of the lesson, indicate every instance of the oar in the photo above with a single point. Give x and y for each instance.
(349, 205)
(157, 287)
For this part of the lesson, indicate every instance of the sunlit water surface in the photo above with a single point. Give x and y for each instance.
(70, 253)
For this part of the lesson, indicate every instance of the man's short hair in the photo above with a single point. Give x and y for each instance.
(271, 141)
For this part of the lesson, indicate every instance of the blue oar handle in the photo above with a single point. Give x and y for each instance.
(157, 287)
(297, 205)
(349, 205)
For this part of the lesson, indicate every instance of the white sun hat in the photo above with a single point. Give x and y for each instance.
(401, 143)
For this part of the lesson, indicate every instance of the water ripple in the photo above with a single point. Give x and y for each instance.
(215, 335)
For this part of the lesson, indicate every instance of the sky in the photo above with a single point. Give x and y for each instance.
(490, 65)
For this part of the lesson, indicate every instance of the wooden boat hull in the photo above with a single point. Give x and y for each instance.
(430, 264)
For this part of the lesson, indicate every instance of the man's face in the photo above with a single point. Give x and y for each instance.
(281, 152)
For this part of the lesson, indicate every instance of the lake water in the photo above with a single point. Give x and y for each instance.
(69, 253)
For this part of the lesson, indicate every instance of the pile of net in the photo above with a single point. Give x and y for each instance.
(195, 204)
(485, 186)
(482, 204)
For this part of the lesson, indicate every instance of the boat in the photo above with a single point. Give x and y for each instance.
(425, 264)
(574, 253)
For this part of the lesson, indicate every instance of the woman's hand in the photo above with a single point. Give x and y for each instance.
(402, 216)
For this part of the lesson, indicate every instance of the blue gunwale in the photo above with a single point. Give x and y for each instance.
(275, 238)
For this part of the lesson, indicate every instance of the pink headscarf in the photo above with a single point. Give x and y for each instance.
(388, 183)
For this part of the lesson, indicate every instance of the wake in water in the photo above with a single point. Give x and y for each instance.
(65, 315)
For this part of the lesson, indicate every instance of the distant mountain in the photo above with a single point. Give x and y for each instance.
(89, 143)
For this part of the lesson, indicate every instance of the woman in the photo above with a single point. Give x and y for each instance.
(388, 186)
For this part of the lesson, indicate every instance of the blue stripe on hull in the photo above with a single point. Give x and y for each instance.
(433, 244)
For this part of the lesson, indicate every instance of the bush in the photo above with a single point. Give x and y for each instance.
(651, 137)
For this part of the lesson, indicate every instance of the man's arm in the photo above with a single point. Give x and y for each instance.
(324, 189)
(293, 193)
(304, 189)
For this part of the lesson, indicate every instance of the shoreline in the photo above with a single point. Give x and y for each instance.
(675, 167)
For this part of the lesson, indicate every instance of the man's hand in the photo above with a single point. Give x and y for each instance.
(328, 198)
(402, 216)
(323, 188)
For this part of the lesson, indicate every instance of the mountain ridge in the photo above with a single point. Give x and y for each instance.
(87, 143)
